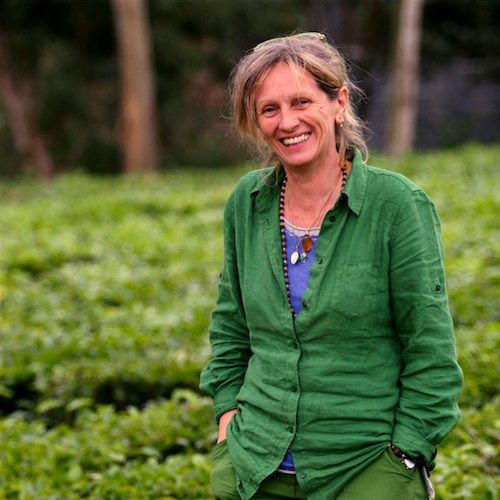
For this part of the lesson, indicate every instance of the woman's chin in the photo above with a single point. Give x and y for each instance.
(298, 162)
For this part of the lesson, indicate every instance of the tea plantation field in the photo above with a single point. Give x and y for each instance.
(106, 289)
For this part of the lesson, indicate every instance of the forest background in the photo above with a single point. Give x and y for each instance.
(62, 74)
(107, 281)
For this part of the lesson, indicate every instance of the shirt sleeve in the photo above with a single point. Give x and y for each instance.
(431, 379)
(224, 374)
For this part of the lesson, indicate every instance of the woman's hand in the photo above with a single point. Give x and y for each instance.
(224, 420)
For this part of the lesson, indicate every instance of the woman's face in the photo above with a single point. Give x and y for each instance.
(298, 119)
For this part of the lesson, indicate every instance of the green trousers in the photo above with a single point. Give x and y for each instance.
(384, 479)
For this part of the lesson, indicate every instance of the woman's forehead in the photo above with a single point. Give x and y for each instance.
(283, 80)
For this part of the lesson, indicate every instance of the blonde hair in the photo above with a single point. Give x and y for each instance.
(326, 65)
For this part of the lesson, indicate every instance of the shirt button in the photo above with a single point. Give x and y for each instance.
(320, 261)
(303, 475)
(294, 389)
(343, 197)
(291, 430)
(438, 287)
(295, 345)
(304, 305)
(332, 218)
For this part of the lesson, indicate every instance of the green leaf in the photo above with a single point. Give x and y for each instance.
(78, 403)
(48, 405)
(6, 392)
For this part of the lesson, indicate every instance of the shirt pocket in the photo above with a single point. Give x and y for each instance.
(356, 291)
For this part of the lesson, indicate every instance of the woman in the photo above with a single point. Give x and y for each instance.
(333, 370)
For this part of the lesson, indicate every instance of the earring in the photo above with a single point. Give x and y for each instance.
(341, 121)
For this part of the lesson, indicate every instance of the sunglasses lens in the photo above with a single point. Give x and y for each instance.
(302, 36)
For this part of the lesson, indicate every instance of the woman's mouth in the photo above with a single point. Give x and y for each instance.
(292, 141)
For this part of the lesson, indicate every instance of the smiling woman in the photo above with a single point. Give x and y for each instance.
(333, 367)
(297, 119)
(321, 61)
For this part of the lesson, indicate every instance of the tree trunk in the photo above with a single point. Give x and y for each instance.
(405, 78)
(138, 127)
(28, 140)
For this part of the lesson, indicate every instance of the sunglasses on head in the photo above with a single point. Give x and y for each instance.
(300, 36)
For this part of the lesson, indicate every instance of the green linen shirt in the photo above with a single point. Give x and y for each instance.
(369, 360)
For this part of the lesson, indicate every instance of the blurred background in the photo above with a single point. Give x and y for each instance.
(107, 281)
(130, 85)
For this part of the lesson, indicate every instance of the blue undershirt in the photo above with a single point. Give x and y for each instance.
(298, 279)
(298, 274)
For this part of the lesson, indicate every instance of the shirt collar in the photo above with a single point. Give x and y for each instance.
(267, 188)
(355, 188)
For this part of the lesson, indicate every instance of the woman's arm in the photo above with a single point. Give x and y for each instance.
(431, 379)
(224, 374)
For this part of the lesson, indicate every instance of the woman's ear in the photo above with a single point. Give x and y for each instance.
(342, 100)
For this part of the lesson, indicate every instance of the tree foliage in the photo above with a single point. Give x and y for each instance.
(67, 52)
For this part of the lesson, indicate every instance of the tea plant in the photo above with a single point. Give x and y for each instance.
(106, 289)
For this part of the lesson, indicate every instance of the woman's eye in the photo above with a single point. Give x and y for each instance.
(269, 110)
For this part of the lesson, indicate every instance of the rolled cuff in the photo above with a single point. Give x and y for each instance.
(414, 445)
(225, 401)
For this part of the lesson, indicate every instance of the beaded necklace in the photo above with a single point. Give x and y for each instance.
(282, 227)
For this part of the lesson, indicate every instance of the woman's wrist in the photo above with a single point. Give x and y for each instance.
(403, 457)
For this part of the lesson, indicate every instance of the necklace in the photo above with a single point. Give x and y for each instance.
(295, 255)
(306, 241)
(282, 228)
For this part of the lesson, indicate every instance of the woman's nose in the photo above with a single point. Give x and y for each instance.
(289, 119)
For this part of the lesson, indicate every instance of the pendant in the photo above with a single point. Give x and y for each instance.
(303, 257)
(307, 243)
(295, 257)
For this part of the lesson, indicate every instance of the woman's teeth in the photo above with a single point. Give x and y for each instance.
(296, 140)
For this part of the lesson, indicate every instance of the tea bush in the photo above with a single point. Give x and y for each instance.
(160, 452)
(108, 286)
(106, 290)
